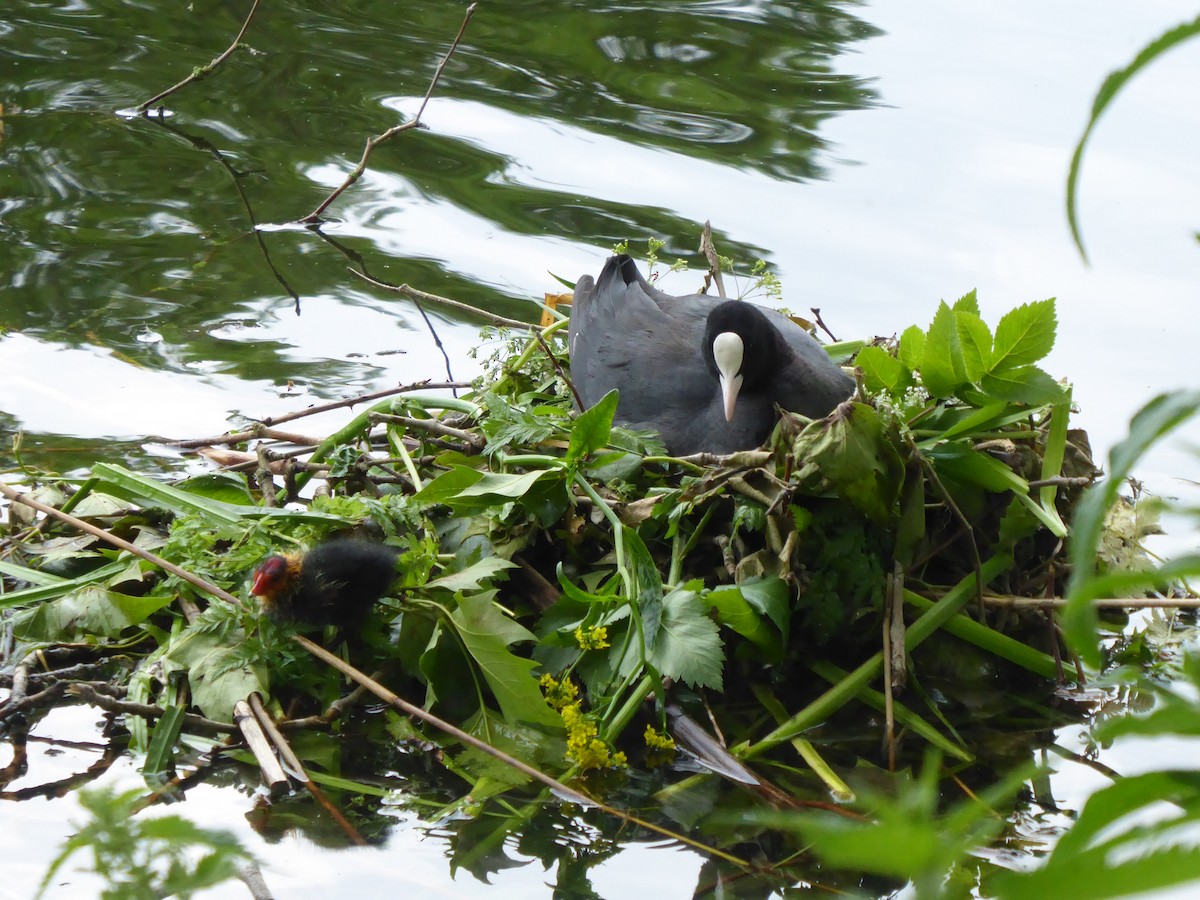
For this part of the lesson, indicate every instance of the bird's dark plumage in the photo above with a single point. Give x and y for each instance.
(658, 351)
(334, 583)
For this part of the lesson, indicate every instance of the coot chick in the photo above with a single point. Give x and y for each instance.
(335, 583)
(704, 373)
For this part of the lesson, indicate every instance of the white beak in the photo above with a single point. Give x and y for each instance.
(728, 351)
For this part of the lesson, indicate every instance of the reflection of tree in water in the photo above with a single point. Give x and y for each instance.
(745, 84)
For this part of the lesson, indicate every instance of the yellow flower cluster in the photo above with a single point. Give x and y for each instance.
(656, 740)
(558, 693)
(584, 746)
(594, 637)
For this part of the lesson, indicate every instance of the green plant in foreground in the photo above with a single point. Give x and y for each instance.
(141, 857)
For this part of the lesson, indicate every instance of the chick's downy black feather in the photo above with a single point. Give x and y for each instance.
(334, 583)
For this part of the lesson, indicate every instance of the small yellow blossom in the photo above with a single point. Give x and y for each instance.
(558, 693)
(594, 637)
(584, 745)
(656, 740)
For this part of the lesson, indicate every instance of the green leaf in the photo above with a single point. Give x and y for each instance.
(1024, 384)
(217, 671)
(647, 587)
(162, 743)
(1109, 90)
(856, 454)
(772, 597)
(882, 371)
(448, 485)
(502, 485)
(976, 341)
(486, 633)
(734, 612)
(688, 646)
(968, 465)
(87, 613)
(912, 348)
(967, 303)
(474, 576)
(942, 369)
(1024, 336)
(590, 430)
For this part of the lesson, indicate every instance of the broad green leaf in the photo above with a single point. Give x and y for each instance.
(772, 597)
(472, 578)
(1024, 336)
(942, 369)
(688, 646)
(734, 612)
(220, 486)
(502, 485)
(89, 612)
(1023, 384)
(448, 485)
(967, 303)
(912, 348)
(856, 454)
(590, 430)
(976, 341)
(217, 671)
(486, 633)
(1112, 85)
(882, 371)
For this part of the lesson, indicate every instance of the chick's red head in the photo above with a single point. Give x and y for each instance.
(271, 577)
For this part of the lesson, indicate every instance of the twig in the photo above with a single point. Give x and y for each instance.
(204, 71)
(816, 311)
(293, 761)
(193, 723)
(433, 426)
(413, 293)
(374, 142)
(714, 261)
(269, 421)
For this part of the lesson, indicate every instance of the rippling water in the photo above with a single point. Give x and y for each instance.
(879, 157)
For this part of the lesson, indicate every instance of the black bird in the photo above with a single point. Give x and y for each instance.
(334, 583)
(704, 373)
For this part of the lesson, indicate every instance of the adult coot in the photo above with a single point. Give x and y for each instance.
(704, 373)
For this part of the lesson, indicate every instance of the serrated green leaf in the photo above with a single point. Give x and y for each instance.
(688, 646)
(486, 633)
(976, 341)
(1024, 336)
(1023, 384)
(942, 369)
(590, 430)
(882, 371)
(967, 303)
(912, 348)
